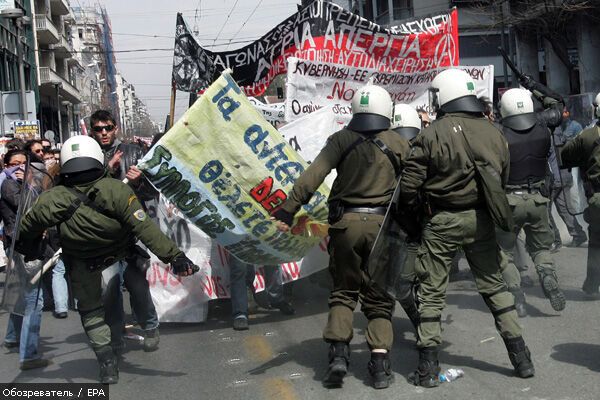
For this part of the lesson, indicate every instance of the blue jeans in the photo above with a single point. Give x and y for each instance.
(26, 329)
(60, 290)
(141, 300)
(242, 276)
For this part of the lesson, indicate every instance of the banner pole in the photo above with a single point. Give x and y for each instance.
(172, 109)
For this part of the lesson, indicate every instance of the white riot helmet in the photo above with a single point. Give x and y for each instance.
(406, 121)
(371, 109)
(453, 90)
(597, 106)
(80, 153)
(516, 109)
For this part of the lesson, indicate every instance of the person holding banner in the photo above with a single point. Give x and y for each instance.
(121, 160)
(441, 173)
(367, 156)
(99, 220)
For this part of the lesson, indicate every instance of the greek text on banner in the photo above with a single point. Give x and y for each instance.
(227, 169)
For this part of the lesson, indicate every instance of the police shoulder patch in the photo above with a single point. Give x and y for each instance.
(131, 199)
(140, 215)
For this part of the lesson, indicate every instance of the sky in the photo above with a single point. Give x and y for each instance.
(150, 24)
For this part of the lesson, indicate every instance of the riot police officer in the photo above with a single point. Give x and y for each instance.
(440, 173)
(99, 219)
(528, 192)
(584, 152)
(367, 157)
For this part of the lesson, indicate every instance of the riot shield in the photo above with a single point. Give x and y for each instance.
(19, 273)
(388, 256)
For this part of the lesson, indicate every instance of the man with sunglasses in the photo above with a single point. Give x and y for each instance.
(121, 159)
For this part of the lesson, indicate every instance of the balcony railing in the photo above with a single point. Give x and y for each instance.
(63, 49)
(68, 91)
(46, 31)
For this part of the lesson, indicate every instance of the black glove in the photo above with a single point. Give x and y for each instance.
(284, 216)
(32, 249)
(181, 264)
(526, 81)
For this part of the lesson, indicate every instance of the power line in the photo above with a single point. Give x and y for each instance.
(226, 20)
(244, 24)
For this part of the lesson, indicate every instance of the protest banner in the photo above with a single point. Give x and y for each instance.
(313, 85)
(273, 113)
(320, 31)
(227, 170)
(26, 130)
(186, 299)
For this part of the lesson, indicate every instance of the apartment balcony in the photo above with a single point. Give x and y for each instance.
(48, 81)
(60, 7)
(63, 49)
(45, 30)
(75, 61)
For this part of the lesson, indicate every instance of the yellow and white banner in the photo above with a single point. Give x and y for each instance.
(227, 170)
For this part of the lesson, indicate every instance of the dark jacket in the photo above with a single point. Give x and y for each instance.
(131, 154)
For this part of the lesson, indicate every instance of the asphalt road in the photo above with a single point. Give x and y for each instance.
(285, 358)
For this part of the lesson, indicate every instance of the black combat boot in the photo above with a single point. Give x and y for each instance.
(552, 291)
(339, 358)
(520, 304)
(109, 366)
(428, 370)
(520, 357)
(380, 369)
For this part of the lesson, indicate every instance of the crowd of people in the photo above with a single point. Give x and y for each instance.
(468, 182)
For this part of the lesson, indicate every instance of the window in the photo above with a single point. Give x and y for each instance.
(402, 9)
(382, 12)
(479, 45)
(80, 31)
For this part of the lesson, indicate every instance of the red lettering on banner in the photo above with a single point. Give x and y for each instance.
(208, 288)
(259, 280)
(262, 194)
(324, 243)
(340, 91)
(292, 270)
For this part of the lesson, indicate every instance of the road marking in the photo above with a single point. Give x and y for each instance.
(258, 348)
(280, 389)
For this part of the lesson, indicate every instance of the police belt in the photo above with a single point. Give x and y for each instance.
(366, 210)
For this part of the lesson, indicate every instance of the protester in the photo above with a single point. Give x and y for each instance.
(365, 149)
(440, 172)
(241, 277)
(23, 331)
(121, 160)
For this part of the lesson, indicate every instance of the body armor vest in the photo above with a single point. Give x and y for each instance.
(528, 154)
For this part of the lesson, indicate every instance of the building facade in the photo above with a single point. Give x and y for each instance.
(59, 65)
(18, 95)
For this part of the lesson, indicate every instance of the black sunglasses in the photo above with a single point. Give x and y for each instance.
(99, 129)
